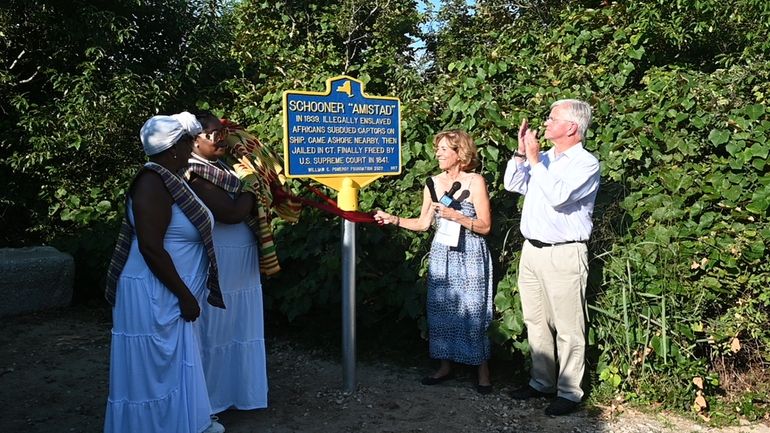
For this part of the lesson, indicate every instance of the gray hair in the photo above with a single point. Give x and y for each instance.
(577, 111)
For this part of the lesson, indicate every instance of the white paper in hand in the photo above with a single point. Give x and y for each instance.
(448, 232)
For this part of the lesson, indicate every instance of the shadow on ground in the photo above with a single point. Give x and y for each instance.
(54, 370)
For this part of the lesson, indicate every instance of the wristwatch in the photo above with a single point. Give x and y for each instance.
(519, 155)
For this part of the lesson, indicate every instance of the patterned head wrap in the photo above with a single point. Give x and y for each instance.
(161, 132)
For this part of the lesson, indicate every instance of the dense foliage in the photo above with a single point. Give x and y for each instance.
(79, 79)
(679, 300)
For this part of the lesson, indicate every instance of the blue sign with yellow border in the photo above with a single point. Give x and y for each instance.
(341, 133)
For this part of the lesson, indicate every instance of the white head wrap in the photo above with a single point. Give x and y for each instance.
(161, 132)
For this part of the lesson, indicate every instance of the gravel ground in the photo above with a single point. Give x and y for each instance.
(54, 369)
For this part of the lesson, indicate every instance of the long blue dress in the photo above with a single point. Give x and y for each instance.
(233, 340)
(460, 297)
(156, 374)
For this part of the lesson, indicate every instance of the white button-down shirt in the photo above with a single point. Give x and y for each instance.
(559, 194)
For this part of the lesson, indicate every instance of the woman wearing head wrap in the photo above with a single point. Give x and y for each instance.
(232, 341)
(162, 265)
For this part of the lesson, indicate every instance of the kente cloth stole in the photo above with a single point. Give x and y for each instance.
(219, 177)
(198, 215)
(259, 225)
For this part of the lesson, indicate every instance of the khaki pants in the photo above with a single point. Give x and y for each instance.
(552, 283)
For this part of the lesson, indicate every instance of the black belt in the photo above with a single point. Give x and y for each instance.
(537, 244)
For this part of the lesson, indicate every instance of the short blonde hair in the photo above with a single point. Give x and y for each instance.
(463, 144)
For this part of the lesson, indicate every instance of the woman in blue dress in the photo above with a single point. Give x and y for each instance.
(232, 340)
(459, 304)
(162, 268)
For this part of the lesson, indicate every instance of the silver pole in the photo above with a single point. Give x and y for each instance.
(349, 305)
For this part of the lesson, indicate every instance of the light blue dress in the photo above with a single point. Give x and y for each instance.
(233, 340)
(460, 297)
(156, 375)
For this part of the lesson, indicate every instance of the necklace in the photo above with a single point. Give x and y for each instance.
(214, 163)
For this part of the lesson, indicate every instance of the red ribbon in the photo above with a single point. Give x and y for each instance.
(328, 205)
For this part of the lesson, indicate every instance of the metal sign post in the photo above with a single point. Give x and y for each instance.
(345, 140)
(348, 305)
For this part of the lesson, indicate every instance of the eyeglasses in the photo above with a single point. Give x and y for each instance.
(216, 135)
(553, 119)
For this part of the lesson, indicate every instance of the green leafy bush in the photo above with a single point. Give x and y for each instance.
(679, 303)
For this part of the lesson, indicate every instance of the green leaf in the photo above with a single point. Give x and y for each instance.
(755, 111)
(636, 53)
(502, 302)
(103, 206)
(719, 136)
(492, 152)
(760, 201)
(734, 147)
(759, 150)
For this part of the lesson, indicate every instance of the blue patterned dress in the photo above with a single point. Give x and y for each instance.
(460, 297)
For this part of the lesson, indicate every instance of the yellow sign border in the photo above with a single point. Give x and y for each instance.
(331, 180)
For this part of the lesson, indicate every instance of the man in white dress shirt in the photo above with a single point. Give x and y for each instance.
(559, 188)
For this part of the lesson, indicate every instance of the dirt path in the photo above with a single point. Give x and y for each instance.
(54, 366)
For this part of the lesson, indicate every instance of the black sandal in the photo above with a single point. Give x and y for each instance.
(484, 389)
(430, 380)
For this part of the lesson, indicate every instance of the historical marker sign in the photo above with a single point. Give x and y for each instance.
(341, 133)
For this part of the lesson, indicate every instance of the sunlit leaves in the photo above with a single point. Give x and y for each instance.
(681, 126)
(718, 137)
